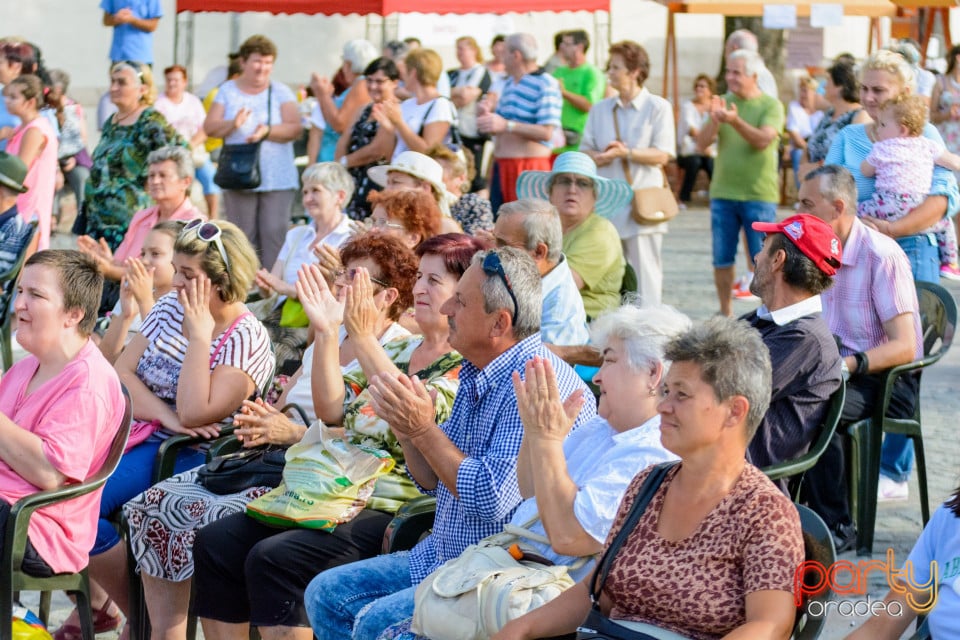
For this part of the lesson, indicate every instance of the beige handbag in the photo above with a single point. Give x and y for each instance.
(474, 595)
(650, 205)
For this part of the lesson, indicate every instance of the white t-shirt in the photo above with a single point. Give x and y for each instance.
(186, 117)
(436, 110)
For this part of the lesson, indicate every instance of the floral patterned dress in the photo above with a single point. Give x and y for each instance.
(827, 129)
(117, 185)
(361, 135)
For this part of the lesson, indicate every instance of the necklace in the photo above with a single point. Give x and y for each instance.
(118, 118)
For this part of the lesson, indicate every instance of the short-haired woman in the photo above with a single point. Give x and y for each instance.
(693, 114)
(254, 108)
(412, 216)
(718, 546)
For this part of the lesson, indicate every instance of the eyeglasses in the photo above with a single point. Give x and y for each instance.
(568, 181)
(208, 232)
(383, 223)
(349, 274)
(493, 267)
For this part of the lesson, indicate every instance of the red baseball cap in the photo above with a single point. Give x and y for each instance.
(814, 237)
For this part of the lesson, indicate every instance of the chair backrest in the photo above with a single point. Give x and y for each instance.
(8, 279)
(938, 318)
(818, 547)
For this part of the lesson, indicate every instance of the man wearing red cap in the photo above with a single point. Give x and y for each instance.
(873, 311)
(798, 259)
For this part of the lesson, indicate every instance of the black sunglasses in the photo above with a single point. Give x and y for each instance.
(493, 267)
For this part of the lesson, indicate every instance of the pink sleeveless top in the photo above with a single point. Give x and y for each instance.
(41, 178)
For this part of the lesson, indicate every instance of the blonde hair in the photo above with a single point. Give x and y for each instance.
(427, 64)
(144, 76)
(909, 111)
(470, 40)
(895, 65)
(233, 284)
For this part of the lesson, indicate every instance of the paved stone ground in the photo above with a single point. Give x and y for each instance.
(688, 285)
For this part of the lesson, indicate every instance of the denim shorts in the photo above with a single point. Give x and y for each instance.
(204, 175)
(727, 217)
(924, 256)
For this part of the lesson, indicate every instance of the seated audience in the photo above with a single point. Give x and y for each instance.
(249, 573)
(590, 241)
(60, 408)
(574, 481)
(418, 172)
(13, 229)
(799, 258)
(326, 188)
(145, 280)
(534, 226)
(410, 216)
(468, 462)
(199, 354)
(469, 210)
(716, 550)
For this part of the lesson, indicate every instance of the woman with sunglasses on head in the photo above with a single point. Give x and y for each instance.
(199, 355)
(369, 144)
(253, 108)
(35, 142)
(117, 187)
(251, 574)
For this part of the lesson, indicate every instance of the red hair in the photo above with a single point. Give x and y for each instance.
(456, 250)
(395, 261)
(417, 211)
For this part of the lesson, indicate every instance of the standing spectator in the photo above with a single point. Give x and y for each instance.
(468, 85)
(254, 108)
(802, 119)
(369, 145)
(694, 114)
(745, 188)
(945, 109)
(424, 119)
(16, 59)
(35, 143)
(555, 61)
(842, 93)
(581, 84)
(470, 210)
(118, 176)
(746, 39)
(338, 111)
(527, 113)
(13, 230)
(186, 114)
(133, 22)
(644, 144)
(212, 145)
(73, 155)
(909, 49)
(498, 53)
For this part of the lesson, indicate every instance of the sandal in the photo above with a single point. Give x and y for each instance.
(103, 621)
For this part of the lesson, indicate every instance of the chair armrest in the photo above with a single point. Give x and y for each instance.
(409, 524)
(293, 406)
(224, 446)
(166, 457)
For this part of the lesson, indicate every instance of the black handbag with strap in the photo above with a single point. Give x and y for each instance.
(597, 626)
(236, 472)
(238, 168)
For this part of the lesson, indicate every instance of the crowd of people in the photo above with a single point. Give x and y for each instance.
(491, 326)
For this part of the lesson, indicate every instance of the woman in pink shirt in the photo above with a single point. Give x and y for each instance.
(60, 408)
(35, 142)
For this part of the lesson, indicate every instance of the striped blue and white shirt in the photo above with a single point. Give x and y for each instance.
(485, 425)
(536, 99)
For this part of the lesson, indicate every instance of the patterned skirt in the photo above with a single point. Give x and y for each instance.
(165, 518)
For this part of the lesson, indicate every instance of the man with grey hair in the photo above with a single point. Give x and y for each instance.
(469, 462)
(872, 309)
(522, 125)
(746, 39)
(534, 226)
(745, 187)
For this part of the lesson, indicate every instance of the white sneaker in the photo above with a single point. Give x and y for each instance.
(889, 490)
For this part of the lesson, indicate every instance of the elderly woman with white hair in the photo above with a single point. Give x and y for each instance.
(574, 480)
(327, 187)
(337, 112)
(715, 551)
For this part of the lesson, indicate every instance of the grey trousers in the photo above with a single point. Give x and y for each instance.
(264, 216)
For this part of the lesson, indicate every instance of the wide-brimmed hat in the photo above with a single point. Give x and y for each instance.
(415, 164)
(12, 172)
(612, 195)
(814, 237)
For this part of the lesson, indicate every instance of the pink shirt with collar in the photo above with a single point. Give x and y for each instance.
(143, 221)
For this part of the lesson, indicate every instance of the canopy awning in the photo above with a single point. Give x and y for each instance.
(387, 7)
(869, 8)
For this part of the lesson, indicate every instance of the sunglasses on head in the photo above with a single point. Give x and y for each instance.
(348, 275)
(493, 267)
(208, 232)
(133, 64)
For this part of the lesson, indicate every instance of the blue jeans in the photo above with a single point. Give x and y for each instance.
(204, 175)
(896, 455)
(360, 599)
(132, 478)
(727, 217)
(796, 155)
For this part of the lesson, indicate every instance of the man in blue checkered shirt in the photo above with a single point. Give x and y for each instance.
(469, 462)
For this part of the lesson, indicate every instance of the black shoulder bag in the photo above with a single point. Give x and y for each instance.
(239, 166)
(456, 140)
(598, 626)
